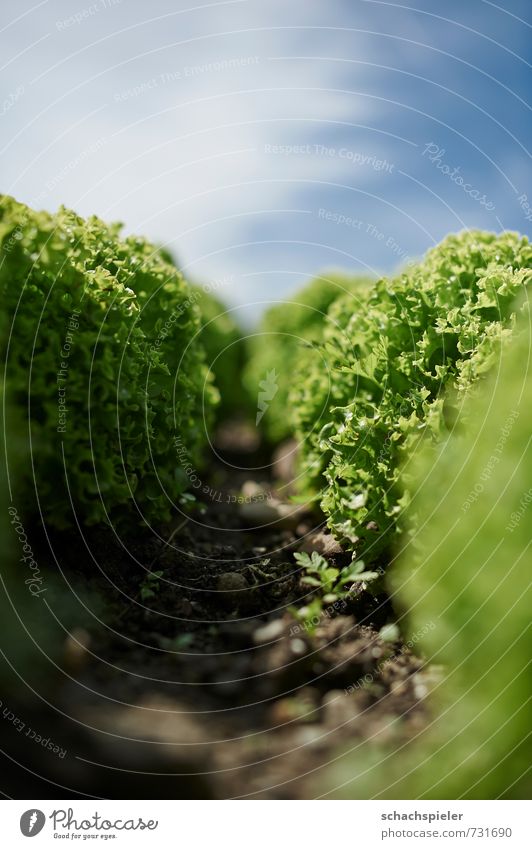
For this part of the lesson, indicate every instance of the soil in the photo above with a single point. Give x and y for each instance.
(210, 687)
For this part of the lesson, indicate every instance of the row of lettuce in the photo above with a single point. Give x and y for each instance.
(118, 368)
(463, 582)
(369, 372)
(410, 400)
(106, 352)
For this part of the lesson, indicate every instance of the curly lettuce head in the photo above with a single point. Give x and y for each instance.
(285, 346)
(400, 358)
(103, 357)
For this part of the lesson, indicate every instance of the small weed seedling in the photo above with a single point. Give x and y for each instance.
(333, 584)
(150, 585)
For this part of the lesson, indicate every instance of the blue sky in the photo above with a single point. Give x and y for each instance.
(266, 141)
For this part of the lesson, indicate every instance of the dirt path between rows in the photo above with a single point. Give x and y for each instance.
(210, 688)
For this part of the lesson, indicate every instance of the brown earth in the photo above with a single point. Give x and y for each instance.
(210, 687)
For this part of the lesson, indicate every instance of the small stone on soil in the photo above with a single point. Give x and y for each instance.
(272, 512)
(322, 543)
(269, 632)
(231, 582)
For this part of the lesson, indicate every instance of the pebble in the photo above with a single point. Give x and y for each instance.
(272, 512)
(269, 632)
(298, 646)
(310, 735)
(253, 489)
(338, 708)
(298, 709)
(159, 719)
(76, 650)
(420, 691)
(185, 607)
(232, 586)
(322, 543)
(284, 461)
(230, 581)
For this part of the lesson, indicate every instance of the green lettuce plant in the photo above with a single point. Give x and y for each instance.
(396, 362)
(226, 353)
(284, 347)
(465, 571)
(102, 356)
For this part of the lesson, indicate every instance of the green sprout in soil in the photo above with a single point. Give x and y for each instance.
(333, 586)
(150, 585)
